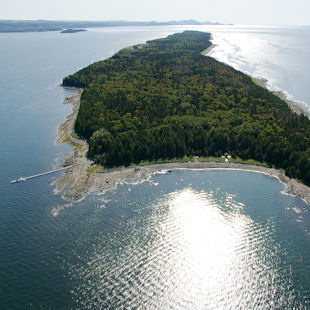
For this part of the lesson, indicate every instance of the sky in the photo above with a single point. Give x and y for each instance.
(258, 12)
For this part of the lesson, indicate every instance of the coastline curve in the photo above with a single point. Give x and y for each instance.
(77, 182)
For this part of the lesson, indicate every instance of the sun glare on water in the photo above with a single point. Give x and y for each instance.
(198, 252)
(206, 249)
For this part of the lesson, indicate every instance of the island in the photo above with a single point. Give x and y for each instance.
(72, 30)
(164, 99)
(165, 105)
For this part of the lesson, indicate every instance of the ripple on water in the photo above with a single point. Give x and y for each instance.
(190, 250)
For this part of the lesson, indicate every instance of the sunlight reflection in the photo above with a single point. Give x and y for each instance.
(193, 251)
(206, 246)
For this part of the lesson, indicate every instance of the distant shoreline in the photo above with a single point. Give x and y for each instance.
(12, 26)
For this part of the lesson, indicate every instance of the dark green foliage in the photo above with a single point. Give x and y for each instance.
(165, 100)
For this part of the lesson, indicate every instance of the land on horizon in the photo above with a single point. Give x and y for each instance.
(58, 25)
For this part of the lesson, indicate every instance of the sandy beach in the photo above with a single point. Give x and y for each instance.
(78, 181)
(208, 50)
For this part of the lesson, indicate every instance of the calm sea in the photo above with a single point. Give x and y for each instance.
(181, 240)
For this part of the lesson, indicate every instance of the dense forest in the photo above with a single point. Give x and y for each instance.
(164, 99)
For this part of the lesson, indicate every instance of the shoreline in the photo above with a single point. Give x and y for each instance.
(208, 50)
(75, 183)
(81, 180)
(297, 108)
(109, 180)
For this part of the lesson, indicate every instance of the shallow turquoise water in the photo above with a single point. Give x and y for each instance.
(181, 240)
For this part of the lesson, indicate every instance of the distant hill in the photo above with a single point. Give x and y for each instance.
(44, 25)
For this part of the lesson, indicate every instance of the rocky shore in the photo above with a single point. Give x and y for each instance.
(108, 180)
(77, 181)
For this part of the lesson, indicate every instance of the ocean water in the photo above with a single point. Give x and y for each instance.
(186, 239)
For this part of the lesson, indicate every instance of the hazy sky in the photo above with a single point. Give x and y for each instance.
(265, 12)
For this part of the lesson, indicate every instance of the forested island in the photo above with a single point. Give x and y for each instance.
(70, 30)
(164, 99)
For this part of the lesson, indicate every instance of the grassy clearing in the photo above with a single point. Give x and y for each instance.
(204, 159)
(251, 162)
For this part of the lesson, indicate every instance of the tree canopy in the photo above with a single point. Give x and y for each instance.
(164, 99)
